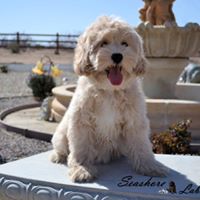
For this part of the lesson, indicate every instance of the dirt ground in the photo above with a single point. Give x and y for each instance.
(31, 56)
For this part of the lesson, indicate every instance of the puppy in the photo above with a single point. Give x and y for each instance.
(107, 114)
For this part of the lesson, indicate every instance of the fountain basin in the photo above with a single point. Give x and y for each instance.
(63, 96)
(161, 112)
(161, 41)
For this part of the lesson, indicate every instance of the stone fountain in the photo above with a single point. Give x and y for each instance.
(168, 48)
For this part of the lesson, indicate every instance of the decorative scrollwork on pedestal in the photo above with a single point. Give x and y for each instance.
(13, 189)
(113, 198)
(18, 190)
(78, 196)
(41, 192)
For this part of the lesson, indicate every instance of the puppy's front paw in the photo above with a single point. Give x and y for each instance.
(57, 158)
(82, 174)
(153, 168)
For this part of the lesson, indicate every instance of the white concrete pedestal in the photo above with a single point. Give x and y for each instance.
(36, 178)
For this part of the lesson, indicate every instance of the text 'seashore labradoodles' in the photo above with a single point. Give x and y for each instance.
(107, 114)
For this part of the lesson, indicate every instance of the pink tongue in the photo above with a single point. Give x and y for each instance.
(115, 76)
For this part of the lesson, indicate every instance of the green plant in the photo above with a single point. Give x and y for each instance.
(4, 68)
(41, 85)
(175, 140)
(41, 80)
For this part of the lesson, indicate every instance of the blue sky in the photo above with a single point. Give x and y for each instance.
(72, 16)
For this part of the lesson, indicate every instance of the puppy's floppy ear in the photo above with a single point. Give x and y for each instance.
(140, 68)
(82, 64)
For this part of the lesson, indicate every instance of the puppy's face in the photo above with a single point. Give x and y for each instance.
(110, 53)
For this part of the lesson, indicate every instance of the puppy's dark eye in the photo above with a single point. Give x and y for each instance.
(104, 43)
(124, 44)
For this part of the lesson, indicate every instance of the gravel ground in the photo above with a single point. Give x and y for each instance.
(14, 146)
(13, 92)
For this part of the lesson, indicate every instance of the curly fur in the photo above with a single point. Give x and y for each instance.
(105, 121)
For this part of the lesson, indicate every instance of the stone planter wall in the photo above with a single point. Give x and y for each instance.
(162, 113)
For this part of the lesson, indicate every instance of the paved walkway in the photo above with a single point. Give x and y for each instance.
(29, 119)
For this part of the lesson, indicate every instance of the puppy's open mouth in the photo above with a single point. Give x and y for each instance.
(114, 74)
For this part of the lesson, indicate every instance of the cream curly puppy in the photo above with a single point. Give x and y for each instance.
(107, 115)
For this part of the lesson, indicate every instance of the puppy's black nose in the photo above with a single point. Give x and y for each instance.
(117, 57)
